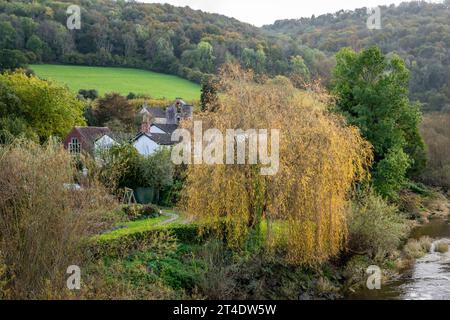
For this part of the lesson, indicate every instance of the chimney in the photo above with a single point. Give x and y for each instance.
(171, 114)
(146, 123)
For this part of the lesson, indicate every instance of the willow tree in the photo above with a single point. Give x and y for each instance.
(302, 207)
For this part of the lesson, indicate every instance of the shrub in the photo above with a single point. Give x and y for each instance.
(137, 211)
(43, 223)
(150, 211)
(375, 227)
(415, 249)
(410, 203)
(390, 173)
(132, 211)
(441, 247)
(119, 246)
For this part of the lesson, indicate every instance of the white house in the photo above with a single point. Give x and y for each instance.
(147, 144)
(103, 143)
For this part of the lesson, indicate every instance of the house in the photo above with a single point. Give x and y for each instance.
(172, 115)
(88, 140)
(158, 125)
(147, 144)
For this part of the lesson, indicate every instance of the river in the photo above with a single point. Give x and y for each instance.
(428, 279)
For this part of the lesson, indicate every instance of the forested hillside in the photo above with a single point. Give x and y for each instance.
(418, 31)
(192, 43)
(162, 38)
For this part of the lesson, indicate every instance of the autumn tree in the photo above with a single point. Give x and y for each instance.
(114, 107)
(302, 207)
(43, 108)
(209, 94)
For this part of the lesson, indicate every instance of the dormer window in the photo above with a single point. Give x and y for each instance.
(74, 146)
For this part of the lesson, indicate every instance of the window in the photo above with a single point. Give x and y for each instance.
(74, 146)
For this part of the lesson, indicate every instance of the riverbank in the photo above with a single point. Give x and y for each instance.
(418, 270)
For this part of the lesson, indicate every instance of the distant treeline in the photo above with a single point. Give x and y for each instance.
(418, 31)
(194, 44)
(162, 38)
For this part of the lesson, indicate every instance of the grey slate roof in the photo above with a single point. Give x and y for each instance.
(162, 139)
(157, 112)
(168, 128)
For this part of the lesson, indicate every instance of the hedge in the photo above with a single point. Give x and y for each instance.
(125, 244)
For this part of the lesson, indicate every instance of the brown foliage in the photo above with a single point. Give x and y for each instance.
(112, 108)
(43, 222)
(436, 133)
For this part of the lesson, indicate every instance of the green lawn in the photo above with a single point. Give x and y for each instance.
(121, 80)
(136, 226)
(140, 225)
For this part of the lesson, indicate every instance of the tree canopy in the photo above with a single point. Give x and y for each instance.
(418, 31)
(36, 107)
(372, 92)
(303, 205)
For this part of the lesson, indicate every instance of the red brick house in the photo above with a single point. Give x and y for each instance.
(84, 139)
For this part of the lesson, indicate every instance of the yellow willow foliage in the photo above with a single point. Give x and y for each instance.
(304, 203)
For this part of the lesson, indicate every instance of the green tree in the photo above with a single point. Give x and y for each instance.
(206, 57)
(157, 171)
(121, 167)
(12, 59)
(47, 108)
(299, 70)
(372, 92)
(36, 45)
(8, 35)
(255, 60)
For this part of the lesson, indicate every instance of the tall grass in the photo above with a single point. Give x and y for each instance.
(43, 222)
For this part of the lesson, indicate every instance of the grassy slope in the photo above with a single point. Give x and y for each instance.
(121, 80)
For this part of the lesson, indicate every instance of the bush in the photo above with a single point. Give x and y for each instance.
(150, 211)
(390, 173)
(103, 246)
(441, 247)
(138, 211)
(42, 223)
(375, 227)
(132, 212)
(415, 249)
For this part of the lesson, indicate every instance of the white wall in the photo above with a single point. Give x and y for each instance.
(104, 143)
(155, 129)
(145, 146)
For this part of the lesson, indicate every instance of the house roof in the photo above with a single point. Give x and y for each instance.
(162, 139)
(91, 134)
(168, 128)
(157, 112)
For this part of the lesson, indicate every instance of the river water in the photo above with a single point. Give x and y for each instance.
(428, 279)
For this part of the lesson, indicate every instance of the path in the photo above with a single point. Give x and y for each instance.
(171, 215)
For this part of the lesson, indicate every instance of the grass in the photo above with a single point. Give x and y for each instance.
(120, 80)
(141, 225)
(134, 226)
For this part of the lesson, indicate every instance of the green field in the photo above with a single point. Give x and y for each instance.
(121, 80)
